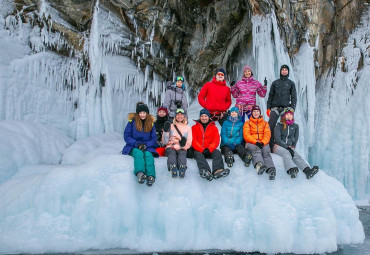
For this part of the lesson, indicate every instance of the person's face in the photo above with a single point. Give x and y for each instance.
(204, 118)
(179, 84)
(247, 73)
(142, 115)
(220, 76)
(284, 71)
(234, 114)
(256, 114)
(161, 113)
(180, 117)
(288, 116)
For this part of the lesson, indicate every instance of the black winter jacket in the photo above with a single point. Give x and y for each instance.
(282, 94)
(287, 137)
(159, 124)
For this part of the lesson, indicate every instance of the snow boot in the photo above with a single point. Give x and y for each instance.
(150, 180)
(293, 172)
(310, 172)
(221, 173)
(272, 173)
(173, 170)
(229, 159)
(260, 168)
(205, 174)
(141, 177)
(182, 170)
(247, 159)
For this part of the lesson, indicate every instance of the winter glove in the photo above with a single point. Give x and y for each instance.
(260, 145)
(265, 82)
(291, 151)
(268, 112)
(166, 126)
(207, 153)
(232, 83)
(183, 141)
(141, 146)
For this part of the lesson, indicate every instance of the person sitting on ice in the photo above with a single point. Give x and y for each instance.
(245, 92)
(141, 141)
(215, 97)
(205, 142)
(175, 97)
(257, 135)
(282, 94)
(232, 139)
(162, 117)
(286, 137)
(178, 138)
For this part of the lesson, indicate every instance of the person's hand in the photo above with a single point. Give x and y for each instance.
(166, 126)
(260, 145)
(232, 83)
(268, 112)
(291, 151)
(141, 146)
(207, 153)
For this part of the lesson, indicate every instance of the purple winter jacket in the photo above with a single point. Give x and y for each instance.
(245, 91)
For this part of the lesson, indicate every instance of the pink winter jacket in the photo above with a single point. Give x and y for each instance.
(172, 138)
(245, 91)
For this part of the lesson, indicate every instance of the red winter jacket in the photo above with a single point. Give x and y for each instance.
(202, 139)
(215, 96)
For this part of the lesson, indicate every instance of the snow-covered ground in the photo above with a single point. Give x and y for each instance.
(93, 201)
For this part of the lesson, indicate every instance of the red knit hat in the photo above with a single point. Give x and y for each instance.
(256, 107)
(163, 108)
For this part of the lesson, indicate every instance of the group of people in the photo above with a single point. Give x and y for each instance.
(253, 140)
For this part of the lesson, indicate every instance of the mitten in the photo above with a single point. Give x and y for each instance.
(166, 126)
(207, 153)
(268, 112)
(142, 146)
(232, 83)
(260, 145)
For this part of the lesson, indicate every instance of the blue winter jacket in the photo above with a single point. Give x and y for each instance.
(133, 137)
(232, 133)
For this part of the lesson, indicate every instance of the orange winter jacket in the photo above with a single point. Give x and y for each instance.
(210, 138)
(256, 130)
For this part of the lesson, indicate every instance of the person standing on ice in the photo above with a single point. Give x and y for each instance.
(141, 141)
(232, 139)
(257, 135)
(282, 94)
(162, 118)
(286, 135)
(215, 97)
(205, 142)
(178, 138)
(175, 97)
(245, 92)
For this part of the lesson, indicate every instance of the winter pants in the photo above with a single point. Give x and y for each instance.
(239, 149)
(217, 162)
(289, 162)
(274, 117)
(261, 155)
(175, 157)
(143, 162)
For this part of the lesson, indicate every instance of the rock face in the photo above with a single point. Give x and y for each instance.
(196, 37)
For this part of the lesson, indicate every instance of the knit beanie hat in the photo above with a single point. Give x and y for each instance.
(284, 66)
(256, 107)
(221, 70)
(204, 111)
(247, 67)
(141, 107)
(163, 108)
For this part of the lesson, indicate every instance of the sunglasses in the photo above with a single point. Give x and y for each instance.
(220, 74)
(180, 111)
(179, 78)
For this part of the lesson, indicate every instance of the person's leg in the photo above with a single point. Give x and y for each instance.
(218, 169)
(139, 165)
(274, 116)
(181, 162)
(244, 154)
(287, 157)
(149, 164)
(190, 152)
(204, 169)
(299, 161)
(172, 161)
(228, 155)
(256, 153)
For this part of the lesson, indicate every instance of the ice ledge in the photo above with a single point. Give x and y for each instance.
(99, 205)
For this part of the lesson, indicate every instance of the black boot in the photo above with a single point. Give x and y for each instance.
(272, 173)
(260, 167)
(182, 170)
(310, 172)
(173, 170)
(229, 159)
(293, 172)
(247, 159)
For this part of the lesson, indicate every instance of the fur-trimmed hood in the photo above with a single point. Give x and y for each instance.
(130, 116)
